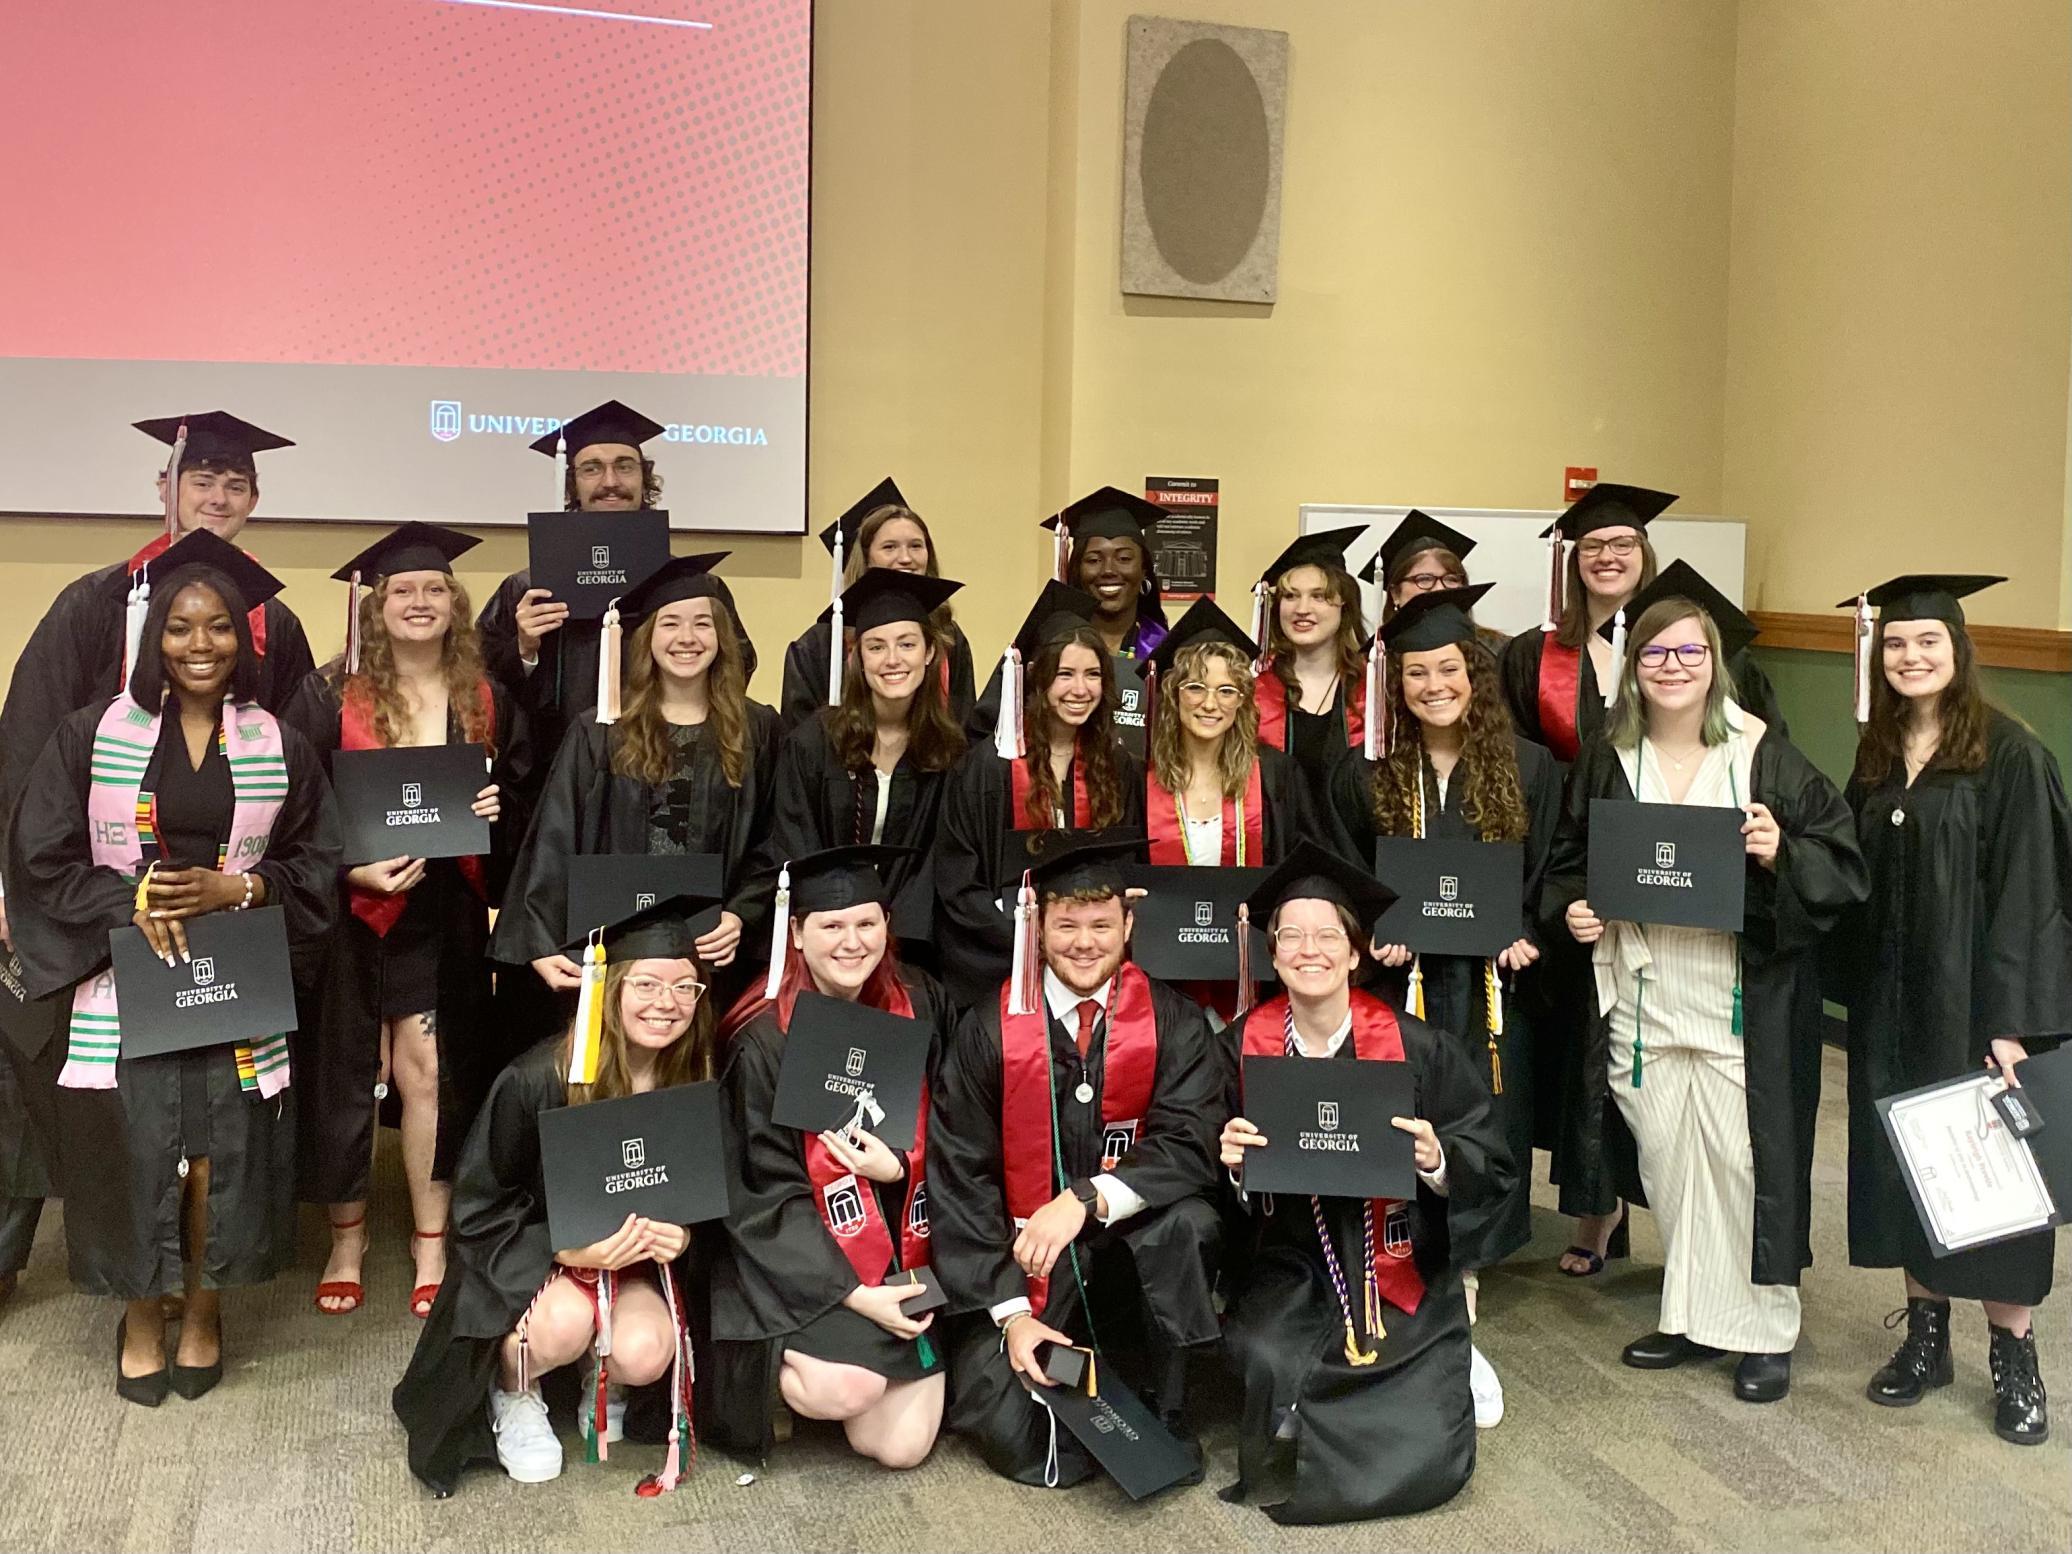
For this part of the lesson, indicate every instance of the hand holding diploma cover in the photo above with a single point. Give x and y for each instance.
(1679, 865)
(234, 986)
(1329, 1128)
(835, 1054)
(411, 801)
(586, 560)
(1452, 897)
(1112, 1423)
(658, 1155)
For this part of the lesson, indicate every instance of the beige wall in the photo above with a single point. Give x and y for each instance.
(1900, 305)
(1506, 235)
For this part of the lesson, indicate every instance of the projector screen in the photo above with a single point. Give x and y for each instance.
(411, 235)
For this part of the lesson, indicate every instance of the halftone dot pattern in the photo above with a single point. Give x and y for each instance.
(417, 183)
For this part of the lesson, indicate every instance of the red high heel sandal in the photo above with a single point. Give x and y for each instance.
(342, 1289)
(422, 1297)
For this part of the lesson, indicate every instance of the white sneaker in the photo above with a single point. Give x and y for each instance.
(614, 1409)
(525, 1441)
(1488, 1391)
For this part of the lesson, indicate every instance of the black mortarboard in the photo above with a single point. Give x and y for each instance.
(213, 434)
(883, 494)
(202, 548)
(678, 578)
(1325, 548)
(837, 878)
(1417, 533)
(609, 422)
(1107, 514)
(1437, 619)
(1609, 506)
(1062, 863)
(1203, 622)
(413, 547)
(1058, 611)
(1313, 872)
(1681, 580)
(1925, 596)
(882, 596)
(659, 932)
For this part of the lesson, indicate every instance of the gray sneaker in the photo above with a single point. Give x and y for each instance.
(525, 1441)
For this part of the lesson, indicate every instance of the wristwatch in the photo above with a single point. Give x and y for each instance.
(1085, 1191)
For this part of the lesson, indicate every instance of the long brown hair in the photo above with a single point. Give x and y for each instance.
(1491, 801)
(460, 665)
(1574, 628)
(1280, 652)
(941, 623)
(935, 739)
(1095, 740)
(1626, 722)
(1962, 714)
(685, 1061)
(1239, 751)
(640, 743)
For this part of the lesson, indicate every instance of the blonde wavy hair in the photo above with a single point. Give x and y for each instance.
(460, 664)
(640, 741)
(1239, 751)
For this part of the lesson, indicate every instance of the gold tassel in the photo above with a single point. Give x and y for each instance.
(1493, 997)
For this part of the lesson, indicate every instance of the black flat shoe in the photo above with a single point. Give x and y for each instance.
(1762, 1378)
(1665, 1351)
(193, 1381)
(148, 1390)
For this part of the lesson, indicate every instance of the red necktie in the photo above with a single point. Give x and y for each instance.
(1089, 1011)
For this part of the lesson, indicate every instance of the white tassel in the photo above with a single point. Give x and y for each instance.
(1021, 987)
(1557, 583)
(1004, 724)
(1061, 551)
(560, 469)
(352, 624)
(172, 483)
(834, 641)
(1262, 595)
(608, 666)
(1377, 700)
(1866, 629)
(780, 929)
(134, 610)
(1611, 684)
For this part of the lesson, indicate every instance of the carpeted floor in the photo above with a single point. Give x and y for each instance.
(297, 1449)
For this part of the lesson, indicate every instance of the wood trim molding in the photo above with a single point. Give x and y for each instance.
(1999, 647)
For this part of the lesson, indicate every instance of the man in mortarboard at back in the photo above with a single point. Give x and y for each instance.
(77, 655)
(1073, 1175)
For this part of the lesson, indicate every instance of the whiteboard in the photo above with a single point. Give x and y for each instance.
(1510, 553)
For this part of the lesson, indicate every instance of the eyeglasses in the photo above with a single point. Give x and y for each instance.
(1425, 582)
(1226, 695)
(649, 990)
(625, 469)
(1689, 654)
(1330, 940)
(1619, 545)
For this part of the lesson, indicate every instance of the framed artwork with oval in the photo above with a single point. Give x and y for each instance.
(1204, 108)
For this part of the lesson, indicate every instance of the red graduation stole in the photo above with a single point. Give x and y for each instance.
(1271, 697)
(1169, 839)
(1561, 672)
(1376, 1036)
(159, 547)
(849, 1206)
(1028, 1143)
(1019, 784)
(356, 732)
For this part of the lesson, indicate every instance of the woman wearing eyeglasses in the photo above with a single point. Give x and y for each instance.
(1708, 1042)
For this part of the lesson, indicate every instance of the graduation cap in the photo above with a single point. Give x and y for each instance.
(1314, 873)
(1912, 596)
(659, 932)
(1417, 533)
(1681, 580)
(677, 579)
(610, 422)
(845, 528)
(1103, 514)
(1058, 611)
(203, 548)
(1325, 548)
(1608, 505)
(211, 434)
(1203, 622)
(831, 880)
(1441, 618)
(411, 547)
(882, 596)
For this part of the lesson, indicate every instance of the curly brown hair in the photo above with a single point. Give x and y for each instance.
(686, 1061)
(1239, 751)
(1492, 802)
(1280, 652)
(935, 739)
(1962, 713)
(460, 663)
(1095, 740)
(641, 747)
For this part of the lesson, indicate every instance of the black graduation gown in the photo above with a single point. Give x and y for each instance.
(1518, 668)
(805, 676)
(119, 1150)
(1454, 988)
(1148, 1279)
(1967, 935)
(1819, 876)
(817, 804)
(780, 1271)
(338, 1050)
(978, 854)
(1399, 1435)
(562, 687)
(586, 809)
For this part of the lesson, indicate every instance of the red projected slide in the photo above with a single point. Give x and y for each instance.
(413, 182)
(420, 225)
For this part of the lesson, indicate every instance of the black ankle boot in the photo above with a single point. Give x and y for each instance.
(2023, 1414)
(1922, 1362)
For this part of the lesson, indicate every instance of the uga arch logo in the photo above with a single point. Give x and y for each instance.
(633, 1152)
(1327, 1116)
(413, 794)
(445, 419)
(1665, 855)
(204, 970)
